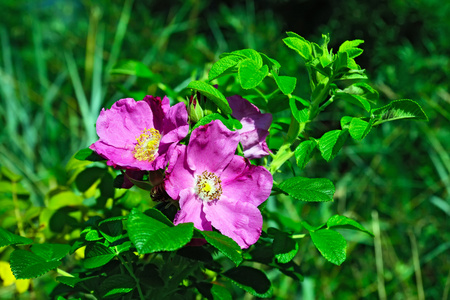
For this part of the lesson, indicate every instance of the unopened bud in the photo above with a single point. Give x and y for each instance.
(195, 110)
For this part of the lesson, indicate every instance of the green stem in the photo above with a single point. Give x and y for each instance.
(285, 153)
(130, 270)
(317, 98)
(298, 236)
(261, 94)
(329, 101)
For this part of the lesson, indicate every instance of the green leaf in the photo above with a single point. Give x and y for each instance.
(301, 115)
(352, 76)
(310, 227)
(133, 67)
(354, 99)
(358, 128)
(304, 152)
(308, 189)
(67, 280)
(345, 122)
(211, 93)
(364, 90)
(351, 48)
(92, 235)
(7, 238)
(299, 45)
(251, 280)
(331, 245)
(220, 293)
(341, 61)
(65, 198)
(150, 235)
(111, 230)
(224, 66)
(86, 178)
(72, 281)
(225, 245)
(331, 142)
(292, 270)
(250, 54)
(158, 215)
(344, 222)
(25, 264)
(209, 118)
(116, 285)
(88, 154)
(97, 255)
(250, 75)
(272, 63)
(398, 109)
(285, 83)
(51, 252)
(277, 102)
(284, 247)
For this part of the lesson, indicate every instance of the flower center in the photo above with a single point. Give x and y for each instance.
(147, 145)
(208, 186)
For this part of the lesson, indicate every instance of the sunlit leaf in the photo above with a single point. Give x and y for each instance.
(308, 189)
(304, 152)
(250, 75)
(26, 264)
(331, 245)
(399, 109)
(331, 142)
(345, 222)
(211, 93)
(150, 235)
(97, 255)
(225, 245)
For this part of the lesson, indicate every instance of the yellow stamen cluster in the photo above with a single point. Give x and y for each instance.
(147, 145)
(208, 186)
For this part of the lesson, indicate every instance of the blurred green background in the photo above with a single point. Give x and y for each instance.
(55, 63)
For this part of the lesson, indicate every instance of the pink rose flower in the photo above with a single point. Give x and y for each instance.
(140, 134)
(217, 188)
(255, 127)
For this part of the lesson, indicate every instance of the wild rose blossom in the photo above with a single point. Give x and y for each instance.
(140, 134)
(217, 188)
(255, 127)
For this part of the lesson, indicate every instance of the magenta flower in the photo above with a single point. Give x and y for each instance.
(255, 127)
(217, 188)
(140, 134)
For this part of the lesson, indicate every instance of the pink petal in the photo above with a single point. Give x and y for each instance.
(241, 107)
(238, 220)
(159, 108)
(178, 175)
(191, 211)
(252, 185)
(211, 147)
(254, 143)
(123, 123)
(121, 157)
(175, 127)
(255, 126)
